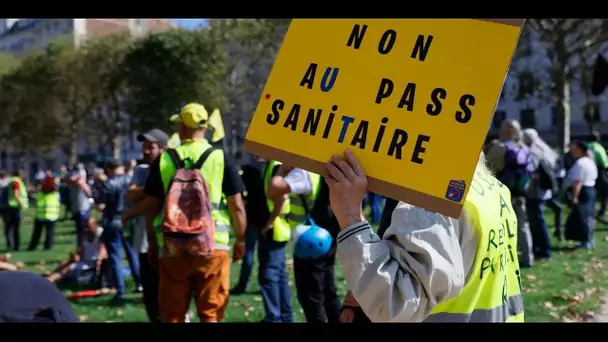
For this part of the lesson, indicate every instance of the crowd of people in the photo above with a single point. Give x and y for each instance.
(538, 176)
(183, 204)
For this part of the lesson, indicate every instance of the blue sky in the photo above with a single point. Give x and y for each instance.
(189, 23)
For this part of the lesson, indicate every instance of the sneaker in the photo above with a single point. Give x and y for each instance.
(117, 301)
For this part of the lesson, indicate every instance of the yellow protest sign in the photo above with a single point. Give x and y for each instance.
(412, 98)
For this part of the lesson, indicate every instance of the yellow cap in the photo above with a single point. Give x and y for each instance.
(193, 115)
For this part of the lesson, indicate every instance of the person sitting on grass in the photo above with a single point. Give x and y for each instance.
(89, 256)
(6, 265)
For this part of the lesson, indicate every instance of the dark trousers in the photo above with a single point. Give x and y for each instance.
(541, 245)
(316, 289)
(557, 208)
(149, 281)
(79, 220)
(252, 234)
(115, 242)
(12, 225)
(39, 225)
(274, 283)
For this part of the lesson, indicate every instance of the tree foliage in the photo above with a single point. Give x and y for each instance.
(568, 48)
(108, 87)
(168, 69)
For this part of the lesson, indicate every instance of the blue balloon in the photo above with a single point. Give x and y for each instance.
(311, 242)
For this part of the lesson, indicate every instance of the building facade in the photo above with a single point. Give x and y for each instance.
(22, 36)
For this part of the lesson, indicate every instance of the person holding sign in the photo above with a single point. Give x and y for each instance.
(427, 266)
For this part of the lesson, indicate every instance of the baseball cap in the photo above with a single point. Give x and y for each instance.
(193, 115)
(114, 164)
(154, 136)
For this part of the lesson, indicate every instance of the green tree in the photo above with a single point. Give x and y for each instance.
(28, 107)
(110, 123)
(168, 69)
(569, 44)
(252, 46)
(77, 87)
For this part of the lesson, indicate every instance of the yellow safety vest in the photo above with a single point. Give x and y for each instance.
(281, 230)
(48, 206)
(297, 211)
(213, 172)
(493, 291)
(12, 202)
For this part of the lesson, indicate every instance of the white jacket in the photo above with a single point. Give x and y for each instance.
(424, 259)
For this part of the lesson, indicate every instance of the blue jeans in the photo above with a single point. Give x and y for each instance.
(538, 227)
(115, 242)
(252, 234)
(274, 284)
(375, 203)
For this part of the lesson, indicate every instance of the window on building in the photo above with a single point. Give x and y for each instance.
(592, 113)
(527, 118)
(499, 117)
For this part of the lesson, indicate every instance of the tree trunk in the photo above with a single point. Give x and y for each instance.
(116, 139)
(562, 84)
(73, 150)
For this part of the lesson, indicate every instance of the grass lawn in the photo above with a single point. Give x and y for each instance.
(567, 288)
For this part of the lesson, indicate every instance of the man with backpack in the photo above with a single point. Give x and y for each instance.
(199, 189)
(513, 166)
(309, 198)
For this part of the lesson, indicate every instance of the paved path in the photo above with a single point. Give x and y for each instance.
(603, 315)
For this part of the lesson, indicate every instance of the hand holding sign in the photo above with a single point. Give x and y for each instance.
(347, 187)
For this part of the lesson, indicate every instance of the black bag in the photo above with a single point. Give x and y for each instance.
(546, 177)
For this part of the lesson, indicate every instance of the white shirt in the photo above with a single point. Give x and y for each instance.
(299, 182)
(583, 170)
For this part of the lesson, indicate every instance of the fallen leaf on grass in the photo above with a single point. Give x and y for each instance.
(554, 314)
(119, 313)
(257, 298)
(83, 318)
(606, 238)
(100, 307)
(251, 308)
(530, 276)
(246, 313)
(548, 305)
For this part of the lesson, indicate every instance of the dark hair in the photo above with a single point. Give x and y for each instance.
(582, 145)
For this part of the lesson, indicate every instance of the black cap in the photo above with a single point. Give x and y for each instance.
(154, 136)
(114, 164)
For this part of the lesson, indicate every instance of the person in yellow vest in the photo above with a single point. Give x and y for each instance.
(17, 201)
(274, 236)
(314, 278)
(48, 210)
(207, 277)
(428, 267)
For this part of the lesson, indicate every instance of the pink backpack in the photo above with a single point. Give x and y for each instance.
(188, 226)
